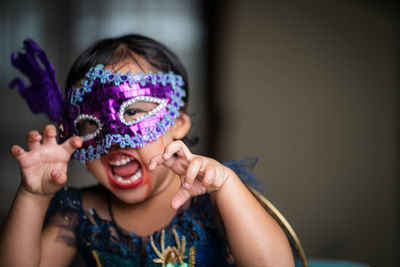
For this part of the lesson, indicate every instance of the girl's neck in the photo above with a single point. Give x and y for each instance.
(156, 206)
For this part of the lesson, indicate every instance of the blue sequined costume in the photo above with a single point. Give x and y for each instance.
(102, 242)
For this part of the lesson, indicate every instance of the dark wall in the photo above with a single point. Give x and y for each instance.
(312, 89)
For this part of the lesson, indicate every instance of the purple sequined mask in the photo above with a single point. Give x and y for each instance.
(129, 110)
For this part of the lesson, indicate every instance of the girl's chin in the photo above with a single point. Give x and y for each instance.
(130, 197)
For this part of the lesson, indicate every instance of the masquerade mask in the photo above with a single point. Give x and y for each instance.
(129, 110)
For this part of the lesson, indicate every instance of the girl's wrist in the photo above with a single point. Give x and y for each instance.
(230, 179)
(40, 198)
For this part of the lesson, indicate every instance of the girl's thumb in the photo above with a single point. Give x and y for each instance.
(58, 178)
(180, 198)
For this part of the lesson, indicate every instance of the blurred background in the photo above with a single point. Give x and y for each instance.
(310, 88)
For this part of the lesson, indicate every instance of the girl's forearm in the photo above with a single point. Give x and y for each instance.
(20, 241)
(255, 239)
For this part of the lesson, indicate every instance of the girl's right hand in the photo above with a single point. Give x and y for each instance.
(44, 166)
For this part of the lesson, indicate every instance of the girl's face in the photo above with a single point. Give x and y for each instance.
(125, 171)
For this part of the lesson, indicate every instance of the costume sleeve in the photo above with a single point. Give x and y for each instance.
(243, 169)
(64, 212)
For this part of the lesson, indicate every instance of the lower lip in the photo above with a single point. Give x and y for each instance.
(124, 186)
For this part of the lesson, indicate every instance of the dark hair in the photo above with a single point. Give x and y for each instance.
(112, 50)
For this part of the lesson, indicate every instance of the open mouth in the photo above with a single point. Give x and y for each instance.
(124, 171)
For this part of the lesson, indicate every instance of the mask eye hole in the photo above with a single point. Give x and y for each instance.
(140, 108)
(88, 126)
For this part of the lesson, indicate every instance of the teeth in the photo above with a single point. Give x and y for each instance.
(120, 162)
(133, 178)
(136, 176)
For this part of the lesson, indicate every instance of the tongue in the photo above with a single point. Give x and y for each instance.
(127, 170)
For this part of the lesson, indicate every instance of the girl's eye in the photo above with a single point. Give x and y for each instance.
(130, 112)
(88, 126)
(136, 111)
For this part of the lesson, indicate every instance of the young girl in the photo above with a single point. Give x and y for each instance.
(157, 204)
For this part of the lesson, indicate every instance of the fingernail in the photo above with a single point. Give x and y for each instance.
(203, 188)
(56, 173)
(186, 185)
(18, 150)
(165, 155)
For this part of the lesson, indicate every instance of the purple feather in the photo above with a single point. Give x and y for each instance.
(43, 93)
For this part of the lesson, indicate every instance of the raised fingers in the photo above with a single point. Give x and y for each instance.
(156, 161)
(168, 157)
(72, 143)
(180, 198)
(192, 171)
(49, 134)
(33, 139)
(179, 148)
(209, 175)
(17, 152)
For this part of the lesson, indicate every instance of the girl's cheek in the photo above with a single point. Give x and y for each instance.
(147, 181)
(153, 148)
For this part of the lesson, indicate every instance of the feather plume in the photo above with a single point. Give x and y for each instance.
(43, 93)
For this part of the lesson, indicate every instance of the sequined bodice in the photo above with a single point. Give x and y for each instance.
(191, 238)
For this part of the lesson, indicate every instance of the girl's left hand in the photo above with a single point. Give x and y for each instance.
(198, 174)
